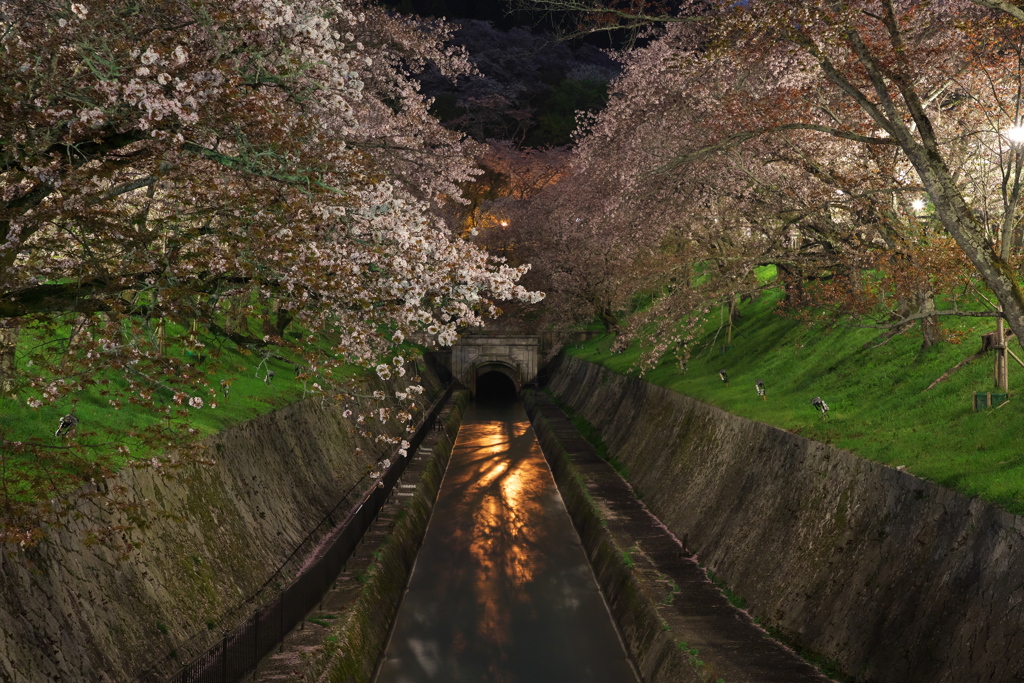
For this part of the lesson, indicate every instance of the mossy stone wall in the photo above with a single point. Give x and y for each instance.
(75, 612)
(894, 578)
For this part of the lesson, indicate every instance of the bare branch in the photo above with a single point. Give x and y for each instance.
(601, 9)
(929, 314)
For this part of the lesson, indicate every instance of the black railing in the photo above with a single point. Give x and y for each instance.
(241, 650)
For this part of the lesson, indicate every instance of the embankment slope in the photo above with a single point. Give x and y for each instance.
(894, 578)
(73, 612)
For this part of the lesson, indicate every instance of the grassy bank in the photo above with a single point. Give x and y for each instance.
(116, 423)
(879, 405)
(249, 396)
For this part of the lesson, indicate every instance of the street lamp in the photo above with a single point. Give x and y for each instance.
(1015, 134)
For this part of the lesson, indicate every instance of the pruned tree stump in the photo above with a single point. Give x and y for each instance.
(988, 399)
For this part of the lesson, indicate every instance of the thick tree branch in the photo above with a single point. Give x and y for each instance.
(737, 139)
(58, 298)
(1002, 6)
(79, 153)
(852, 91)
(131, 185)
(242, 164)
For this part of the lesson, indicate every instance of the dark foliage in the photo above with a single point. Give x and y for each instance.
(529, 88)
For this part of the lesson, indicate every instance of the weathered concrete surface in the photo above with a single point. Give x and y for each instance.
(72, 612)
(513, 356)
(896, 579)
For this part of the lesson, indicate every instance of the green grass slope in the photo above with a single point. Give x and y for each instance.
(879, 407)
(249, 397)
(113, 429)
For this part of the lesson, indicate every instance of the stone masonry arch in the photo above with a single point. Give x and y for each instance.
(514, 356)
(510, 370)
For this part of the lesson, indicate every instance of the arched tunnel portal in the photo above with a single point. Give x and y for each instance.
(495, 381)
(490, 362)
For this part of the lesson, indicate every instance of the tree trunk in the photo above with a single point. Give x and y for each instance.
(9, 331)
(284, 319)
(159, 326)
(269, 326)
(1001, 371)
(235, 319)
(930, 330)
(608, 319)
(732, 314)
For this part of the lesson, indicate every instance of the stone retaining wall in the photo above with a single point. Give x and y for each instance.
(355, 646)
(894, 578)
(74, 612)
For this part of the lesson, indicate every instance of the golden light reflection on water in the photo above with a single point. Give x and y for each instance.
(506, 494)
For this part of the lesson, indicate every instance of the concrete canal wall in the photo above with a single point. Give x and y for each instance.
(351, 652)
(894, 578)
(73, 612)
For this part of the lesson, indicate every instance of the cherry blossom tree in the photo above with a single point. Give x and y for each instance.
(174, 172)
(908, 98)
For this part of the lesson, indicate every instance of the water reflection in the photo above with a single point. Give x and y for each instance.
(501, 591)
(506, 524)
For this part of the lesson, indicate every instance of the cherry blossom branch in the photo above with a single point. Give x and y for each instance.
(737, 139)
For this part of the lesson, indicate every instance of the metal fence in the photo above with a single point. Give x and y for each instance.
(241, 650)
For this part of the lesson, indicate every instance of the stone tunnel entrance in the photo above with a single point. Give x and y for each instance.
(485, 364)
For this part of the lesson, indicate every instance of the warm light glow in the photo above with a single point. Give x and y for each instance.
(917, 204)
(504, 224)
(505, 495)
(1015, 134)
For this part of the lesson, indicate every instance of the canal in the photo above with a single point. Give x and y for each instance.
(502, 591)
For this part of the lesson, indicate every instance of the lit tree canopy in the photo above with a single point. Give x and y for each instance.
(178, 161)
(813, 135)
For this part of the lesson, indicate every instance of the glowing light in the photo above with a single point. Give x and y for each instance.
(1015, 134)
(504, 224)
(917, 204)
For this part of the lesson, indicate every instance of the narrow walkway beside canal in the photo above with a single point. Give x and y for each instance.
(502, 591)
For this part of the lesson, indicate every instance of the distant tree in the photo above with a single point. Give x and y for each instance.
(558, 110)
(528, 87)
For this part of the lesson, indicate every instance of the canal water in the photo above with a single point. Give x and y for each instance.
(501, 591)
